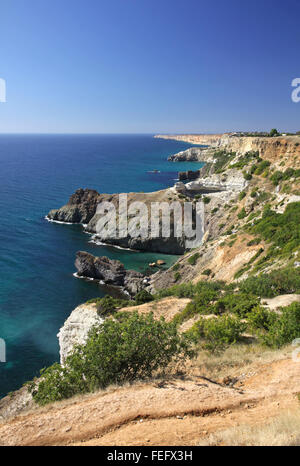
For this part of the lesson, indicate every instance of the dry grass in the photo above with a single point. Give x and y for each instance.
(235, 361)
(282, 431)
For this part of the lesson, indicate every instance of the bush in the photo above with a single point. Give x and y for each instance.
(242, 214)
(261, 167)
(283, 230)
(177, 276)
(217, 333)
(143, 296)
(247, 176)
(283, 329)
(116, 352)
(260, 318)
(222, 159)
(193, 259)
(237, 303)
(189, 290)
(242, 195)
(278, 282)
(109, 305)
(206, 200)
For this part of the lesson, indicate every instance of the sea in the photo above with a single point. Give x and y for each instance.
(38, 290)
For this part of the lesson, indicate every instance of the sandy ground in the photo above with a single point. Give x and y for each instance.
(179, 411)
(281, 301)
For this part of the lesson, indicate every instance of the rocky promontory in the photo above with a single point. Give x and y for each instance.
(81, 207)
(193, 154)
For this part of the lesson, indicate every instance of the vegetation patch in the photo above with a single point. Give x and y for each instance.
(216, 334)
(131, 348)
(193, 259)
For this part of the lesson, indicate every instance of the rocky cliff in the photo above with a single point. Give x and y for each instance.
(76, 328)
(273, 149)
(193, 154)
(80, 208)
(203, 139)
(84, 210)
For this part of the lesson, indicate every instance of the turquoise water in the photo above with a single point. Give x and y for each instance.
(37, 287)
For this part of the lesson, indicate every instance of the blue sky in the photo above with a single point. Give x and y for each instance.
(143, 66)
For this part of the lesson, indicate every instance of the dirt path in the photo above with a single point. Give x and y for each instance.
(177, 412)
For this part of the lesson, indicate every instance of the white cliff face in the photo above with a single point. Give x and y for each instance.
(233, 180)
(76, 328)
(198, 154)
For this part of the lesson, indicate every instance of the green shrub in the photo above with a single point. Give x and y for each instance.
(109, 305)
(177, 276)
(246, 159)
(254, 242)
(277, 282)
(247, 176)
(283, 230)
(236, 303)
(242, 195)
(190, 290)
(222, 159)
(261, 167)
(116, 352)
(193, 259)
(217, 333)
(242, 214)
(206, 200)
(283, 329)
(260, 318)
(143, 296)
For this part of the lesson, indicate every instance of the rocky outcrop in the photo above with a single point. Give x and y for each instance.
(194, 154)
(108, 271)
(232, 180)
(81, 207)
(76, 328)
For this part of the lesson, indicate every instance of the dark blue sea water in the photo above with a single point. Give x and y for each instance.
(37, 287)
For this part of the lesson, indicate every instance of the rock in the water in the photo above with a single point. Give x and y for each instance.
(81, 207)
(111, 272)
(189, 175)
(160, 262)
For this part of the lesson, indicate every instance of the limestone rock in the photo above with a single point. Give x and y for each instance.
(76, 328)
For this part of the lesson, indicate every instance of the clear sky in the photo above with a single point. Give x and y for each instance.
(143, 66)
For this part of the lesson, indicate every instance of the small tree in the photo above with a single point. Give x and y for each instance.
(132, 347)
(273, 133)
